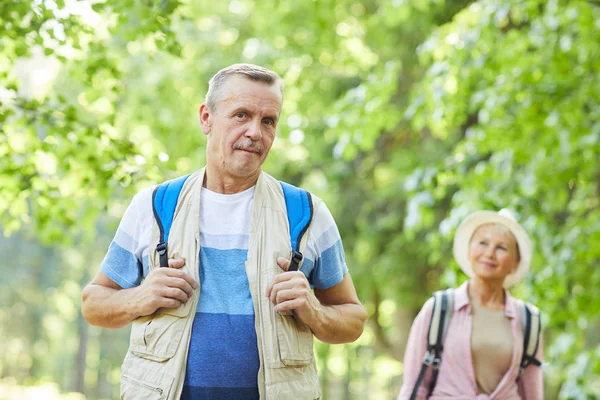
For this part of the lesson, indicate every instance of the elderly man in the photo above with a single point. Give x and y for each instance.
(226, 319)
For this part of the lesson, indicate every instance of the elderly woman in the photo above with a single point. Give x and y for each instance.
(484, 341)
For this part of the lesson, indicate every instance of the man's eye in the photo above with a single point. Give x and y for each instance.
(240, 115)
(268, 121)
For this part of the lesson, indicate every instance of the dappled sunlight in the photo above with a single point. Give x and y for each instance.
(10, 390)
(404, 116)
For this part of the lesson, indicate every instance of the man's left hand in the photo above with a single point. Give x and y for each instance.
(291, 291)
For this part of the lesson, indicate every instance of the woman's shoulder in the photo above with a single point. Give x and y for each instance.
(428, 305)
(521, 306)
(431, 301)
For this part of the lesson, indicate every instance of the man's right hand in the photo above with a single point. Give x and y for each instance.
(165, 288)
(106, 304)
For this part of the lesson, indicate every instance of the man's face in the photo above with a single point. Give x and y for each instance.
(242, 127)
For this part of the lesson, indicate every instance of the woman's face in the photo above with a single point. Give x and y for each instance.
(493, 253)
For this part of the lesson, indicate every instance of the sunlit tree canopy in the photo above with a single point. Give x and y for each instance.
(403, 115)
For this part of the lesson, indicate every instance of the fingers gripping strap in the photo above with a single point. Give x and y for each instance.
(299, 212)
(164, 202)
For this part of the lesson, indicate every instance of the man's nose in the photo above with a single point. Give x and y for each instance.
(254, 130)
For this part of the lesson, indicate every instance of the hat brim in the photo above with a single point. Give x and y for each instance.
(467, 228)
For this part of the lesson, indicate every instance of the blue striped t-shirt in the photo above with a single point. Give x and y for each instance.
(223, 357)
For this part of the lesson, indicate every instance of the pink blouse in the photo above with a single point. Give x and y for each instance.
(456, 378)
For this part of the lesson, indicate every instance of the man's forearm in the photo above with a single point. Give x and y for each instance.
(107, 307)
(339, 323)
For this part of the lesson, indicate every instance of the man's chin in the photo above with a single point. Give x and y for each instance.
(246, 171)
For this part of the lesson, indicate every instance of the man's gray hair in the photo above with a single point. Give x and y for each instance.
(253, 72)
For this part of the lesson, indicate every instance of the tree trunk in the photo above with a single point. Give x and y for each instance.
(80, 364)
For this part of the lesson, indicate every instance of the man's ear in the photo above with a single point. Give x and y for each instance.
(205, 118)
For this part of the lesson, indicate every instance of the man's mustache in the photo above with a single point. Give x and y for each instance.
(249, 146)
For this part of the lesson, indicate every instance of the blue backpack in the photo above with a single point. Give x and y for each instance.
(297, 201)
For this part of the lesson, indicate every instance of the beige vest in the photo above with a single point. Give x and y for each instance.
(154, 367)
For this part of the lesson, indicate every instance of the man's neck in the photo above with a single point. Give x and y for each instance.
(227, 184)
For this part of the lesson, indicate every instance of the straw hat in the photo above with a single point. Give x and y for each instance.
(465, 231)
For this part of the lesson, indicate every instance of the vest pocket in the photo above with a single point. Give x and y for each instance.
(181, 311)
(132, 389)
(288, 341)
(294, 341)
(157, 337)
(141, 380)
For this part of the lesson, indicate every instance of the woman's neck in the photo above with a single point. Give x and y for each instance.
(487, 294)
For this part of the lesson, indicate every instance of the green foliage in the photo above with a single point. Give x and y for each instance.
(404, 116)
(505, 84)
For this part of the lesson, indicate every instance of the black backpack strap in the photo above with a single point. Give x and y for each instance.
(427, 361)
(445, 298)
(438, 325)
(532, 328)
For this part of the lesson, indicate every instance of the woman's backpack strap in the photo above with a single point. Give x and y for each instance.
(532, 328)
(438, 326)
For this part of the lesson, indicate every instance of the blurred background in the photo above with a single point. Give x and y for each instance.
(403, 115)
